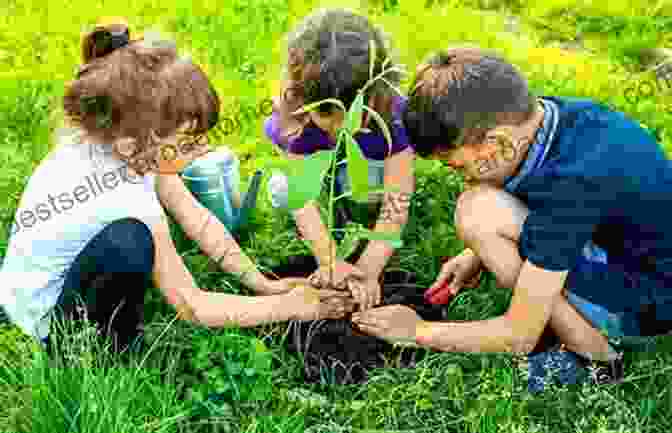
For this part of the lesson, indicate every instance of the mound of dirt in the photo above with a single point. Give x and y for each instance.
(333, 350)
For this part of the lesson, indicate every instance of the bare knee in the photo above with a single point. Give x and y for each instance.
(486, 215)
(489, 210)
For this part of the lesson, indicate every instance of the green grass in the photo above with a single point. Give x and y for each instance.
(239, 43)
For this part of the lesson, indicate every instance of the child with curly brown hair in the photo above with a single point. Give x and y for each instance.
(329, 56)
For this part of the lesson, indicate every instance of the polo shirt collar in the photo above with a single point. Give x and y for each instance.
(539, 148)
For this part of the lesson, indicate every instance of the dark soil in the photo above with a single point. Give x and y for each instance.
(333, 351)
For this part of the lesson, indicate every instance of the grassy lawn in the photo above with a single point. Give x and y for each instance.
(585, 48)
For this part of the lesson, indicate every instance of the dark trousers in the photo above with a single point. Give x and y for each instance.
(107, 282)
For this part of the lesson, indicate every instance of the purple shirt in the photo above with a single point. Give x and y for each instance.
(373, 145)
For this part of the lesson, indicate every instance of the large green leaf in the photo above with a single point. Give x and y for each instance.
(358, 166)
(354, 116)
(358, 170)
(383, 127)
(304, 179)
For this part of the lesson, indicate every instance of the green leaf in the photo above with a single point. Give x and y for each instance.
(424, 404)
(383, 127)
(259, 346)
(394, 239)
(221, 385)
(198, 395)
(314, 105)
(304, 178)
(358, 170)
(354, 119)
(262, 358)
(235, 368)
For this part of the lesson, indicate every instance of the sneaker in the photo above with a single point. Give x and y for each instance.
(555, 366)
(562, 367)
(605, 372)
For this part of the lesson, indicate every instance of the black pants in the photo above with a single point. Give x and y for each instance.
(108, 281)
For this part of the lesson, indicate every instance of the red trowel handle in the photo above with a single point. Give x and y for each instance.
(443, 294)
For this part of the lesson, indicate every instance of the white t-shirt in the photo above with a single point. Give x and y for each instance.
(72, 195)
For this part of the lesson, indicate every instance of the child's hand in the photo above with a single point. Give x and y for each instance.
(310, 303)
(366, 292)
(455, 274)
(393, 323)
(336, 278)
(283, 285)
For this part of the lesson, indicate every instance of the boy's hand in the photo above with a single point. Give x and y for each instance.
(393, 323)
(456, 273)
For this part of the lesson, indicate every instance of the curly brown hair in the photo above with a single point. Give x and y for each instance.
(328, 56)
(139, 90)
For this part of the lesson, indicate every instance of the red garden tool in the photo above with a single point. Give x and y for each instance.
(442, 294)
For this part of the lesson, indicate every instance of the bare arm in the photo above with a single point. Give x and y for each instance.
(518, 330)
(394, 212)
(211, 235)
(211, 309)
(312, 228)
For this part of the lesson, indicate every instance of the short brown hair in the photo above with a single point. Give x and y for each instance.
(138, 90)
(463, 92)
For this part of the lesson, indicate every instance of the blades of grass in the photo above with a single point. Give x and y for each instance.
(383, 127)
(304, 178)
(657, 8)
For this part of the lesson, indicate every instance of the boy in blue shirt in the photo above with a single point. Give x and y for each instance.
(569, 206)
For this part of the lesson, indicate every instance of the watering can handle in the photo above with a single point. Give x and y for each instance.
(250, 200)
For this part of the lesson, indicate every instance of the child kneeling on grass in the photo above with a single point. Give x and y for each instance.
(329, 56)
(570, 209)
(103, 245)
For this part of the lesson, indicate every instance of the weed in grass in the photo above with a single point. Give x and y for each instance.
(73, 390)
(235, 38)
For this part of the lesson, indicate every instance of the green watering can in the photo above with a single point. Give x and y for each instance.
(214, 180)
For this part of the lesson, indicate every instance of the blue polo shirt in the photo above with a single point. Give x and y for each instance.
(596, 175)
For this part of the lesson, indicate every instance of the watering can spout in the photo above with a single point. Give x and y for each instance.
(250, 199)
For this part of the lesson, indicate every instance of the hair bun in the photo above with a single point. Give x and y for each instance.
(107, 36)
